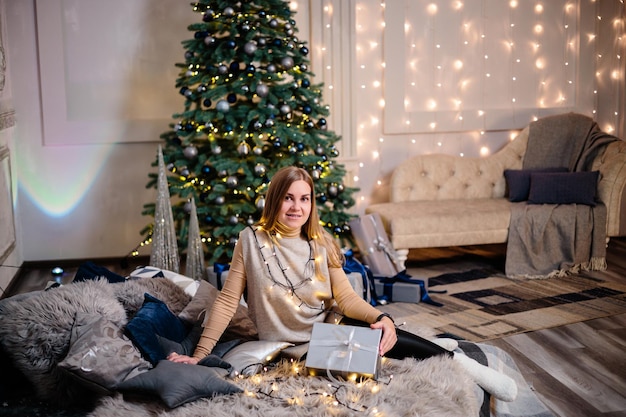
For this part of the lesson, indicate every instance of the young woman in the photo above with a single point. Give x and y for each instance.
(291, 269)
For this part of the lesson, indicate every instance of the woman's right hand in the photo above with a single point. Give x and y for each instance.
(175, 357)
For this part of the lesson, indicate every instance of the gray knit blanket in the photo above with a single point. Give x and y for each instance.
(548, 240)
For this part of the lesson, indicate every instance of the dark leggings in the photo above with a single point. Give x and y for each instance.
(408, 344)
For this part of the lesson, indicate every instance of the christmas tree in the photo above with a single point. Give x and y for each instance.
(250, 108)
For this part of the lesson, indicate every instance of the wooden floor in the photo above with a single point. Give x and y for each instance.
(576, 370)
(579, 369)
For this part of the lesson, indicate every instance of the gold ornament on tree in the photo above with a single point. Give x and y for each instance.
(164, 252)
(194, 266)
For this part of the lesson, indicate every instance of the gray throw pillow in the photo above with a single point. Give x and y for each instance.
(178, 383)
(100, 355)
(249, 358)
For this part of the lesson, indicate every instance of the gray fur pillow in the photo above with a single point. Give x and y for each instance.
(35, 332)
(241, 326)
(100, 355)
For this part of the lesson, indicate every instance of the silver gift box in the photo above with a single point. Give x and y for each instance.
(374, 245)
(345, 351)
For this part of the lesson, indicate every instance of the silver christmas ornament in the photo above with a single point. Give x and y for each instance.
(216, 150)
(260, 169)
(222, 69)
(233, 220)
(229, 11)
(190, 152)
(260, 203)
(273, 23)
(284, 109)
(319, 150)
(287, 62)
(262, 90)
(232, 181)
(209, 40)
(250, 48)
(220, 199)
(315, 174)
(222, 106)
(332, 190)
(243, 148)
(271, 68)
(257, 150)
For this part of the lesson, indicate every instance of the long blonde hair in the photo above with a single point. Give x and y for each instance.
(312, 229)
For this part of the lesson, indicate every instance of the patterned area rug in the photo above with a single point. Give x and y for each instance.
(483, 304)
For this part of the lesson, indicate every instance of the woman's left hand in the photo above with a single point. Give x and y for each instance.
(175, 357)
(389, 338)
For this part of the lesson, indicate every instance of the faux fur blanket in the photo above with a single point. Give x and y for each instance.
(434, 387)
(35, 333)
(548, 240)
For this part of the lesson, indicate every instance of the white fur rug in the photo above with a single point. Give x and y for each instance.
(435, 387)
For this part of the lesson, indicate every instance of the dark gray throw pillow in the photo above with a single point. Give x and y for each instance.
(518, 181)
(179, 383)
(563, 188)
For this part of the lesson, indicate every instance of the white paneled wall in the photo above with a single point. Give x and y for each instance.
(403, 77)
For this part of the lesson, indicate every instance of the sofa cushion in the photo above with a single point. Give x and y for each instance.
(518, 181)
(438, 223)
(563, 188)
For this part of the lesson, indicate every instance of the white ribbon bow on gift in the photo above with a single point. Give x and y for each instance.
(383, 245)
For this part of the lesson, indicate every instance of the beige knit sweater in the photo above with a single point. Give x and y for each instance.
(279, 314)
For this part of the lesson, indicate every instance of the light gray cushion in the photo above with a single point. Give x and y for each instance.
(100, 354)
(250, 357)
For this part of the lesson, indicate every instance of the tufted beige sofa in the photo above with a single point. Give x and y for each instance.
(443, 200)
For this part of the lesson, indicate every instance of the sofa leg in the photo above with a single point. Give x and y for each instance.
(401, 257)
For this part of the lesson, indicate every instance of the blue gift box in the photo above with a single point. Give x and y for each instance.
(398, 291)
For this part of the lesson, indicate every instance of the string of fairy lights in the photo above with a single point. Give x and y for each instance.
(538, 62)
(268, 386)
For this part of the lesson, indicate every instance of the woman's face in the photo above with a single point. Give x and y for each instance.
(296, 207)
